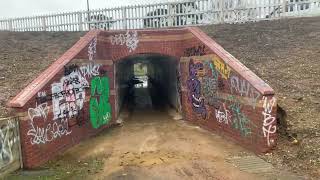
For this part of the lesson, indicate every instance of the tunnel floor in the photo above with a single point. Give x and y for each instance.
(150, 144)
(147, 98)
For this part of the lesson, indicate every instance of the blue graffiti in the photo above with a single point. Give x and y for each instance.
(194, 86)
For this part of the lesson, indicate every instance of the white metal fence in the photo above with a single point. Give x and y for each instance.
(182, 13)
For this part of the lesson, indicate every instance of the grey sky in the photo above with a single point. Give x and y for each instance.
(20, 8)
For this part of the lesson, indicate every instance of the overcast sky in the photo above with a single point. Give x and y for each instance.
(19, 8)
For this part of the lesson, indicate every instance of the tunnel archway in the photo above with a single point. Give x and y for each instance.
(88, 84)
(147, 81)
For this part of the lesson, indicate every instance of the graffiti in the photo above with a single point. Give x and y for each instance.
(41, 97)
(92, 49)
(9, 141)
(195, 51)
(223, 115)
(100, 112)
(40, 111)
(210, 85)
(194, 86)
(42, 135)
(79, 119)
(215, 74)
(69, 69)
(222, 68)
(268, 120)
(42, 94)
(90, 70)
(209, 90)
(239, 120)
(244, 88)
(68, 95)
(129, 39)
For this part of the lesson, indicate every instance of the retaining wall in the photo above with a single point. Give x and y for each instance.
(76, 97)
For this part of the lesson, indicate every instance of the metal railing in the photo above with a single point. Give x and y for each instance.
(170, 14)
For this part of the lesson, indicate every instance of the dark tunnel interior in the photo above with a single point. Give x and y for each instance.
(147, 81)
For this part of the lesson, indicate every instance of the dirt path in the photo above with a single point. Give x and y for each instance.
(151, 145)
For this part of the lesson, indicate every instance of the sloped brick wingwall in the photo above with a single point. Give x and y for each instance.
(76, 96)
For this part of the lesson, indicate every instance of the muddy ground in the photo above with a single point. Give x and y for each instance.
(285, 53)
(150, 144)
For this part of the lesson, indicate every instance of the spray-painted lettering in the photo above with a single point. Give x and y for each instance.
(100, 111)
(223, 115)
(130, 39)
(222, 68)
(244, 88)
(195, 51)
(194, 86)
(90, 70)
(269, 126)
(42, 135)
(40, 111)
(68, 95)
(239, 120)
(92, 49)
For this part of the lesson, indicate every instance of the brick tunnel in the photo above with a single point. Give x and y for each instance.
(158, 84)
(85, 90)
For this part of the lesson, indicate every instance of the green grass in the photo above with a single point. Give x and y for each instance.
(61, 169)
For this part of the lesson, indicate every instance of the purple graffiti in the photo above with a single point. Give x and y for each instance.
(194, 86)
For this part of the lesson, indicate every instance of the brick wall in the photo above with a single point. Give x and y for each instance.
(61, 107)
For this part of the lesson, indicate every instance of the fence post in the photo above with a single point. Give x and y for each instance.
(284, 7)
(222, 8)
(124, 17)
(80, 21)
(10, 25)
(170, 16)
(43, 22)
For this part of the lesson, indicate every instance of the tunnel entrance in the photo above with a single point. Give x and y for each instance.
(147, 82)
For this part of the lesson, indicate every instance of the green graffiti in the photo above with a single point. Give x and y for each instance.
(100, 108)
(239, 120)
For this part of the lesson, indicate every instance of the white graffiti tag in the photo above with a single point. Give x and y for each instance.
(90, 70)
(42, 135)
(269, 126)
(129, 39)
(68, 95)
(245, 89)
(40, 111)
(224, 115)
(92, 49)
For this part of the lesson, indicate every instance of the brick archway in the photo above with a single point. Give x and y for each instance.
(78, 91)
